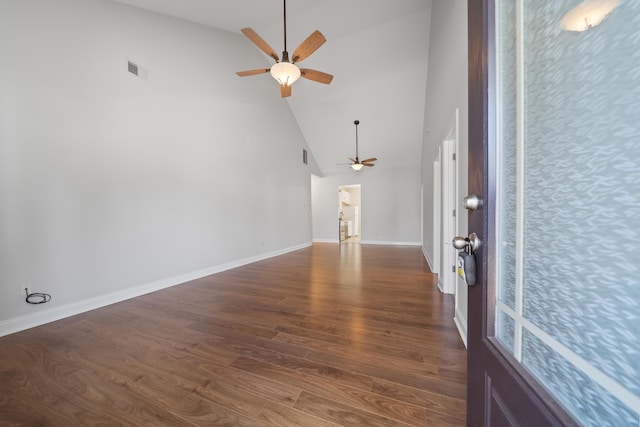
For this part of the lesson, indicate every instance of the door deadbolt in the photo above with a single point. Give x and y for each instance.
(472, 202)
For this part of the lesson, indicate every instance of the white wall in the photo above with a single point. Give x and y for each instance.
(446, 91)
(390, 212)
(113, 185)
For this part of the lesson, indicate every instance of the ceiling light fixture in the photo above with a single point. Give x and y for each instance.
(588, 14)
(356, 164)
(285, 73)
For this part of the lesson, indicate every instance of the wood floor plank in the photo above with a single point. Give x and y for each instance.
(310, 367)
(354, 352)
(362, 398)
(265, 388)
(433, 402)
(283, 416)
(325, 336)
(358, 365)
(105, 403)
(154, 377)
(202, 412)
(340, 413)
(369, 345)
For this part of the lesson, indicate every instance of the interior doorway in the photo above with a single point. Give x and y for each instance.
(445, 215)
(349, 213)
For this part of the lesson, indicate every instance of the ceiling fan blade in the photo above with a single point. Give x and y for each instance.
(352, 159)
(368, 164)
(252, 72)
(372, 159)
(307, 47)
(285, 91)
(260, 43)
(316, 76)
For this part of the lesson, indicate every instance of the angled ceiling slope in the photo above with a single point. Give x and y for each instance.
(376, 49)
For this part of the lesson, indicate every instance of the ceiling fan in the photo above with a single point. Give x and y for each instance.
(357, 164)
(285, 71)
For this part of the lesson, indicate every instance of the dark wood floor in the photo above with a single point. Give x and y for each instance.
(328, 335)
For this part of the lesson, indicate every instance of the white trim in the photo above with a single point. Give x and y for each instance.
(448, 279)
(426, 257)
(373, 242)
(447, 251)
(458, 283)
(422, 215)
(21, 323)
(520, 189)
(456, 175)
(460, 321)
(612, 386)
(437, 203)
(326, 241)
(380, 242)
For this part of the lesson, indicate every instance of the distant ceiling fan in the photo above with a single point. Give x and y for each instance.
(285, 71)
(357, 164)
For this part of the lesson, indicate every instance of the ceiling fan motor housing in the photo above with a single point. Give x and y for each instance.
(357, 164)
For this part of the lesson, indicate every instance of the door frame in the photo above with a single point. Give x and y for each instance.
(448, 279)
(437, 201)
(496, 382)
(357, 204)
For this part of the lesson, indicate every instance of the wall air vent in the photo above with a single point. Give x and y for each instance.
(133, 68)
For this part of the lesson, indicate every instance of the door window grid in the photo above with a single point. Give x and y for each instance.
(523, 339)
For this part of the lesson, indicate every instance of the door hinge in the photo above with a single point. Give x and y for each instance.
(454, 212)
(453, 156)
(453, 268)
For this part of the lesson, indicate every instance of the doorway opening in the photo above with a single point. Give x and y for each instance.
(445, 203)
(349, 213)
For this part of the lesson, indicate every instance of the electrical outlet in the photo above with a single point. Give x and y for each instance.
(24, 289)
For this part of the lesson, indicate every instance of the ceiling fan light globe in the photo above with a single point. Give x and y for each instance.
(356, 166)
(285, 73)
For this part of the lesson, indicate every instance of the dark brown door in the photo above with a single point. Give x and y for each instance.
(546, 103)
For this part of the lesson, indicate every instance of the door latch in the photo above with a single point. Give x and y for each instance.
(466, 263)
(469, 244)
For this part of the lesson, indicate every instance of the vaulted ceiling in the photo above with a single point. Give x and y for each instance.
(377, 51)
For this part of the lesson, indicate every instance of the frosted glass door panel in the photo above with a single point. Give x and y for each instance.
(568, 261)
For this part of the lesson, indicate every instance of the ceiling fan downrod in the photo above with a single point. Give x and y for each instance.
(357, 122)
(285, 54)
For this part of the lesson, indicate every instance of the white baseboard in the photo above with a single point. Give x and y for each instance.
(461, 324)
(380, 242)
(426, 257)
(21, 323)
(371, 242)
(446, 289)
